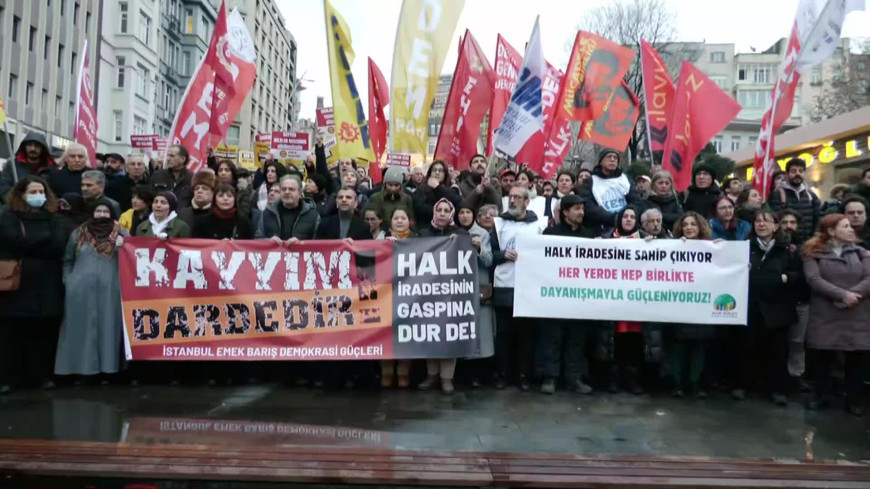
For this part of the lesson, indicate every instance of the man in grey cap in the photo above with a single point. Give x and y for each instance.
(392, 195)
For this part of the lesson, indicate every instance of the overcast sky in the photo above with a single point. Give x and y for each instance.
(747, 23)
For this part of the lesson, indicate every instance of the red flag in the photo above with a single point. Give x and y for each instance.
(782, 101)
(471, 94)
(701, 110)
(507, 68)
(614, 128)
(659, 92)
(234, 62)
(85, 126)
(379, 97)
(532, 153)
(594, 70)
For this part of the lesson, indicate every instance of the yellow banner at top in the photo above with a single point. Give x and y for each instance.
(425, 31)
(351, 126)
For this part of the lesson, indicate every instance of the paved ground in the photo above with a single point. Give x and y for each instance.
(470, 420)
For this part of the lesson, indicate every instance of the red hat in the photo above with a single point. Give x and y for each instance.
(507, 171)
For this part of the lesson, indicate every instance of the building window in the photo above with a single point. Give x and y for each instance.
(59, 55)
(762, 74)
(31, 40)
(142, 82)
(753, 99)
(735, 143)
(722, 81)
(28, 93)
(45, 49)
(188, 21)
(43, 102)
(13, 87)
(144, 28)
(816, 76)
(123, 8)
(717, 57)
(753, 140)
(717, 143)
(185, 63)
(16, 28)
(139, 125)
(119, 125)
(203, 27)
(233, 136)
(72, 65)
(121, 71)
(57, 104)
(87, 23)
(862, 65)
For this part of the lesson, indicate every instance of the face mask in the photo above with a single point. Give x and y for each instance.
(36, 200)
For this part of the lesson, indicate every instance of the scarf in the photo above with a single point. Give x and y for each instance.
(158, 228)
(229, 214)
(403, 234)
(263, 196)
(765, 247)
(441, 225)
(633, 235)
(100, 234)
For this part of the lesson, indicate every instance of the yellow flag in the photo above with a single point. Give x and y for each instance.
(351, 126)
(425, 31)
(2, 112)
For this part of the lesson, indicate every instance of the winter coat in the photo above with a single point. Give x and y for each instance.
(746, 213)
(66, 181)
(425, 198)
(830, 277)
(803, 201)
(44, 169)
(331, 206)
(90, 337)
(862, 189)
(385, 206)
(669, 206)
(245, 201)
(182, 188)
(176, 229)
(40, 249)
(770, 300)
(304, 227)
(330, 228)
(601, 215)
(470, 197)
(190, 214)
(700, 200)
(503, 238)
(740, 233)
(120, 189)
(210, 226)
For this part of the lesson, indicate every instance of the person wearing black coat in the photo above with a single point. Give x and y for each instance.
(608, 191)
(663, 198)
(223, 221)
(699, 197)
(69, 178)
(31, 232)
(436, 186)
(344, 224)
(764, 344)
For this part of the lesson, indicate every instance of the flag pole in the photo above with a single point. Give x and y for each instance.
(645, 105)
(11, 152)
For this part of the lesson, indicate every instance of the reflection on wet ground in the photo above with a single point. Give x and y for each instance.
(483, 420)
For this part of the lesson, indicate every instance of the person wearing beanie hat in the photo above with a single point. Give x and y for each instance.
(203, 183)
(703, 191)
(608, 191)
(392, 195)
(163, 222)
(562, 340)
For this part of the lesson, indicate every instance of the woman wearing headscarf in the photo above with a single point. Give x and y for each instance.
(436, 186)
(140, 207)
(838, 273)
(399, 228)
(686, 344)
(33, 235)
(442, 224)
(724, 224)
(224, 221)
(90, 337)
(163, 222)
(628, 335)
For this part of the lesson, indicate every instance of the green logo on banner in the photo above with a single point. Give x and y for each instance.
(725, 302)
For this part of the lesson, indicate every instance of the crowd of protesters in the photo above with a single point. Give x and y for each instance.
(63, 223)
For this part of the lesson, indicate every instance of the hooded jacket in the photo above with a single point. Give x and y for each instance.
(610, 196)
(7, 179)
(304, 228)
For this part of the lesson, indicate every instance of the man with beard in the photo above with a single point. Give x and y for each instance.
(392, 195)
(651, 225)
(114, 166)
(68, 179)
(855, 208)
(515, 343)
(794, 194)
(608, 192)
(506, 180)
(93, 189)
(732, 188)
(476, 189)
(790, 226)
(565, 340)
(120, 188)
(32, 158)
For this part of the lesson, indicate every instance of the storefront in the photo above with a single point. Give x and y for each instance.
(836, 151)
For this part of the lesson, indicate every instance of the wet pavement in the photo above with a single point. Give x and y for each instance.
(472, 420)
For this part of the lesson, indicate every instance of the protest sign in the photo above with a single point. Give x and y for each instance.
(262, 147)
(142, 143)
(291, 145)
(191, 299)
(247, 160)
(398, 159)
(326, 126)
(668, 281)
(224, 152)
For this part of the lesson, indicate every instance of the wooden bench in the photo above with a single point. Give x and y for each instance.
(362, 466)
